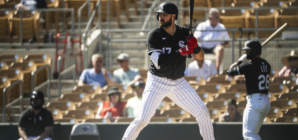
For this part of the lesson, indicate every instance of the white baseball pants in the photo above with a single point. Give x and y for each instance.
(179, 91)
(257, 108)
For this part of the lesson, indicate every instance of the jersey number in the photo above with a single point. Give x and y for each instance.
(264, 82)
(164, 49)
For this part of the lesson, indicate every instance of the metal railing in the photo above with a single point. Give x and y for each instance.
(67, 70)
(19, 99)
(154, 4)
(87, 3)
(48, 82)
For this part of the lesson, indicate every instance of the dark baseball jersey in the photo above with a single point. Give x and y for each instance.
(35, 124)
(172, 64)
(256, 75)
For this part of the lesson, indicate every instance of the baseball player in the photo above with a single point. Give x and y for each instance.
(168, 46)
(256, 72)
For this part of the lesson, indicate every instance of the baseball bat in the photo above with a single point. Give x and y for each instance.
(276, 33)
(191, 4)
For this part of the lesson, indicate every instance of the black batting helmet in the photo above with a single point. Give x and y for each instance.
(254, 46)
(37, 95)
(167, 8)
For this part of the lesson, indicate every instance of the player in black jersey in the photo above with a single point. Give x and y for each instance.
(168, 46)
(256, 72)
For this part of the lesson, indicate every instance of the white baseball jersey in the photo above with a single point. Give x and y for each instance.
(208, 69)
(179, 91)
(210, 35)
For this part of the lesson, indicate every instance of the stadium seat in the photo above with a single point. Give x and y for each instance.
(218, 3)
(93, 105)
(294, 88)
(13, 75)
(236, 88)
(123, 119)
(4, 26)
(143, 72)
(214, 113)
(218, 105)
(225, 96)
(194, 81)
(267, 120)
(277, 88)
(174, 113)
(219, 79)
(84, 131)
(197, 14)
(4, 82)
(103, 97)
(190, 119)
(274, 112)
(205, 97)
(288, 119)
(30, 22)
(76, 4)
(61, 105)
(210, 88)
(57, 114)
(125, 97)
(74, 97)
(89, 89)
(272, 96)
(162, 119)
(284, 104)
(245, 3)
(291, 112)
(266, 19)
(9, 58)
(268, 3)
(288, 15)
(289, 96)
(40, 60)
(288, 81)
(235, 19)
(79, 114)
(27, 68)
(3, 66)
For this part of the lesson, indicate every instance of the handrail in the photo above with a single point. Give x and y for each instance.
(48, 81)
(20, 98)
(80, 13)
(239, 8)
(63, 72)
(155, 2)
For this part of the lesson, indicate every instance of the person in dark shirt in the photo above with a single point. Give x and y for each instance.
(168, 47)
(36, 123)
(231, 114)
(257, 72)
(32, 4)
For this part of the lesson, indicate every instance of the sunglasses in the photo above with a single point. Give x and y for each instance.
(293, 58)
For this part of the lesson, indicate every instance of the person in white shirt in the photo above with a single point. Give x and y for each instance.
(125, 75)
(216, 47)
(134, 104)
(203, 68)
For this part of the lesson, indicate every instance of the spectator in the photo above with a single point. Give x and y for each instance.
(96, 75)
(124, 75)
(290, 62)
(36, 123)
(231, 114)
(112, 108)
(203, 68)
(133, 105)
(216, 47)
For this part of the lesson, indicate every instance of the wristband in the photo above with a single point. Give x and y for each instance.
(197, 50)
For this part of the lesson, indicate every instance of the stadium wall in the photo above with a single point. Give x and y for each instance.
(167, 131)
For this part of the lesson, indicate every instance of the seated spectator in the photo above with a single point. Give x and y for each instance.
(216, 47)
(112, 108)
(290, 62)
(133, 105)
(96, 75)
(124, 75)
(36, 123)
(203, 68)
(231, 114)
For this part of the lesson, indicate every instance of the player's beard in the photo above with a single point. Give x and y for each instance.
(162, 23)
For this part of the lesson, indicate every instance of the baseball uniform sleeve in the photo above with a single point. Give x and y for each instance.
(154, 42)
(240, 69)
